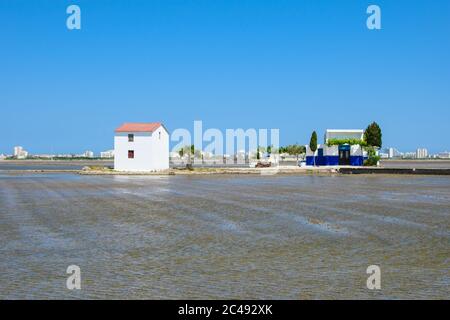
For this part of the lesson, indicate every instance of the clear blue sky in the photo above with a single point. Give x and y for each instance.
(294, 65)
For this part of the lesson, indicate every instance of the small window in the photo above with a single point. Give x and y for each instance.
(130, 154)
(160, 135)
(130, 137)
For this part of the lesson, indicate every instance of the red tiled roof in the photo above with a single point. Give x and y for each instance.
(139, 127)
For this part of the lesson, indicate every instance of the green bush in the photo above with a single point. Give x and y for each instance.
(337, 142)
(372, 158)
(370, 162)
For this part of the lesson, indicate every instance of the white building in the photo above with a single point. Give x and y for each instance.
(393, 153)
(109, 154)
(421, 153)
(333, 155)
(65, 156)
(88, 154)
(20, 153)
(383, 155)
(17, 150)
(444, 155)
(141, 147)
(409, 155)
(3, 156)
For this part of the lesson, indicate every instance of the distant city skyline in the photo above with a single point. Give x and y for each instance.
(293, 65)
(386, 153)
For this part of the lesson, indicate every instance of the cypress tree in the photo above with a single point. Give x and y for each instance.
(313, 145)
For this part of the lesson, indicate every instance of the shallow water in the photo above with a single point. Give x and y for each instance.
(51, 165)
(418, 164)
(276, 237)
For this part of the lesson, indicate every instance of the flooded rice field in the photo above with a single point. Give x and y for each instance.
(210, 237)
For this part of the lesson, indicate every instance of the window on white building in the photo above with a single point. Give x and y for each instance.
(130, 154)
(130, 137)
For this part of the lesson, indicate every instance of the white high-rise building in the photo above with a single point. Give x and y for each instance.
(421, 153)
(20, 153)
(393, 153)
(17, 150)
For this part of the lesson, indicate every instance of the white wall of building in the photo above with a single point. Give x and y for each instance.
(355, 150)
(330, 150)
(309, 153)
(151, 151)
